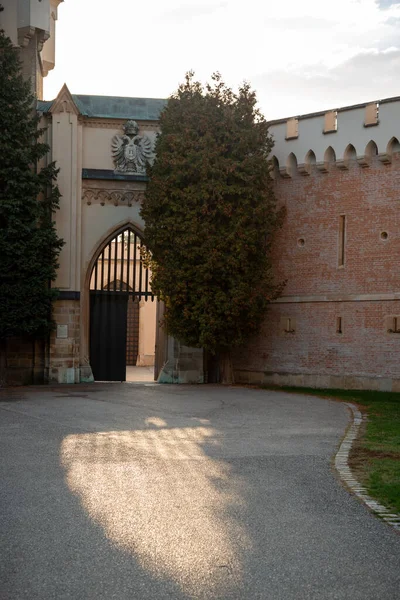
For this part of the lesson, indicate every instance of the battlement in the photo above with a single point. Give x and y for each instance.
(336, 136)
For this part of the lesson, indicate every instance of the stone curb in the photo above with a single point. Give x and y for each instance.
(342, 467)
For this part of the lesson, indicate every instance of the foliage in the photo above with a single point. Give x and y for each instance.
(209, 215)
(29, 245)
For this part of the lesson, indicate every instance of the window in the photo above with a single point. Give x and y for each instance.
(330, 124)
(371, 114)
(339, 325)
(292, 128)
(288, 324)
(393, 325)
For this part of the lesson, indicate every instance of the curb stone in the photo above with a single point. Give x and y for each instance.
(347, 477)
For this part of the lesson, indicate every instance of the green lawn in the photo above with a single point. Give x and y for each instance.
(375, 458)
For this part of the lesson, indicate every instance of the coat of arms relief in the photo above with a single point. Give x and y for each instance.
(131, 151)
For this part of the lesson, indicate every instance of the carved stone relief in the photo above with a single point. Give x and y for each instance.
(111, 196)
(131, 151)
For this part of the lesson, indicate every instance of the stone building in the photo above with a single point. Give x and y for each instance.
(338, 174)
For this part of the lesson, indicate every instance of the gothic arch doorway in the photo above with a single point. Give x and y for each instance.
(122, 308)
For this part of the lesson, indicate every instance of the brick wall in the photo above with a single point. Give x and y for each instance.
(364, 292)
(25, 361)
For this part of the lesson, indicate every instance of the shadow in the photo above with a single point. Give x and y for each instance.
(180, 492)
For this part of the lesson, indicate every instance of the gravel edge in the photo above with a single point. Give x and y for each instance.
(347, 477)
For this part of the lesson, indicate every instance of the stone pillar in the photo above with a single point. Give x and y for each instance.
(64, 343)
(64, 359)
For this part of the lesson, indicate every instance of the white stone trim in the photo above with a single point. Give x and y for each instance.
(347, 477)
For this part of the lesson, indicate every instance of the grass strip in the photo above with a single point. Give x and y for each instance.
(375, 457)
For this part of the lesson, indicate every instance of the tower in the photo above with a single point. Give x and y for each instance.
(31, 26)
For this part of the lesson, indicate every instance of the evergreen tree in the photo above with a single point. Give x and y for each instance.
(209, 214)
(29, 245)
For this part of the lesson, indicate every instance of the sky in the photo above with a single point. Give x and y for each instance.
(299, 57)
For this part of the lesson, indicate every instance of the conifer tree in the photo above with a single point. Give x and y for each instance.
(209, 214)
(29, 245)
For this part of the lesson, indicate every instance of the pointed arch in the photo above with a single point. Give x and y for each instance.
(371, 149)
(350, 153)
(86, 291)
(329, 156)
(393, 146)
(274, 167)
(119, 264)
(310, 159)
(291, 164)
(110, 235)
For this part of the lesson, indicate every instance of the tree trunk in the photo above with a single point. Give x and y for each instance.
(226, 376)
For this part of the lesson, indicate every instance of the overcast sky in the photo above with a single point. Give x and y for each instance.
(299, 56)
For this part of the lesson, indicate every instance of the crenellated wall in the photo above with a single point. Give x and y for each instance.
(336, 136)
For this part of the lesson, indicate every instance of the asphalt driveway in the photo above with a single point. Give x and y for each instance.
(132, 492)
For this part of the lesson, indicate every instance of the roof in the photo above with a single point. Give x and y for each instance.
(114, 107)
(44, 105)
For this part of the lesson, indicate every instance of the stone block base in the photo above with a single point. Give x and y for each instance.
(344, 382)
(71, 375)
(85, 374)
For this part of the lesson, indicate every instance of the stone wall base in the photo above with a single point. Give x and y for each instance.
(182, 364)
(70, 375)
(25, 376)
(344, 382)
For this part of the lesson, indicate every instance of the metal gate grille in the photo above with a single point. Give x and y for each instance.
(132, 334)
(121, 267)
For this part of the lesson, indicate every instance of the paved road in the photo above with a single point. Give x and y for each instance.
(132, 492)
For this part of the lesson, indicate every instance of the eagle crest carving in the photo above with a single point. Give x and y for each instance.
(131, 151)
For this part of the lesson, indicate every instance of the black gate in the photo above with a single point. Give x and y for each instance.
(120, 275)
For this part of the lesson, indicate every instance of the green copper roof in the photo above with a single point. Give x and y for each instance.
(44, 105)
(116, 107)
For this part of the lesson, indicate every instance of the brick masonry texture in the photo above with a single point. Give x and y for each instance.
(370, 200)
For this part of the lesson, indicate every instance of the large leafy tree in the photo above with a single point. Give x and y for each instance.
(210, 213)
(29, 245)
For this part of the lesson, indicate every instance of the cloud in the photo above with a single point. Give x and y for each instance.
(368, 76)
(303, 23)
(393, 22)
(384, 4)
(187, 12)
